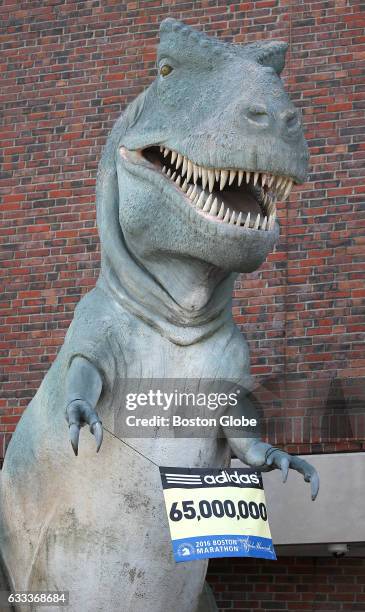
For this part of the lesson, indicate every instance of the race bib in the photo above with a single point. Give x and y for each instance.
(216, 513)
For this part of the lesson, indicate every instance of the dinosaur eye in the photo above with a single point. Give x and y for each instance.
(165, 70)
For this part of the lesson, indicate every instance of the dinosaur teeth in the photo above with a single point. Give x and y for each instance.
(200, 202)
(193, 193)
(280, 184)
(232, 176)
(227, 216)
(195, 173)
(224, 177)
(282, 188)
(208, 203)
(221, 212)
(213, 211)
(189, 170)
(211, 179)
(288, 189)
(206, 181)
(204, 178)
(279, 180)
(184, 167)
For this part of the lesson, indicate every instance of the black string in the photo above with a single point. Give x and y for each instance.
(131, 447)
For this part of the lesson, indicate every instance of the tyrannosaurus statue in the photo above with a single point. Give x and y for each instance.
(186, 195)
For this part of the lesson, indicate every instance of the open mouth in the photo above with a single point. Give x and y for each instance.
(234, 196)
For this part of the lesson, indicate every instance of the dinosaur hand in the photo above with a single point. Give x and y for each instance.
(281, 460)
(266, 457)
(79, 413)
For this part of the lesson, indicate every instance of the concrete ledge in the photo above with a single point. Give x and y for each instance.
(337, 515)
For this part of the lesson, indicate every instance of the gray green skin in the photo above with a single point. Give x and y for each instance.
(205, 110)
(96, 524)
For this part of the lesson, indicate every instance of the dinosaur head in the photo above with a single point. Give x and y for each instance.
(208, 150)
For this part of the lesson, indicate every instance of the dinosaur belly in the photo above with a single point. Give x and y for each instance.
(96, 525)
(103, 537)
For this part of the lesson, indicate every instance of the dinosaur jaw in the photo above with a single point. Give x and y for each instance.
(230, 196)
(164, 219)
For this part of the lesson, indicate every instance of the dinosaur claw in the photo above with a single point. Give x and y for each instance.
(314, 485)
(74, 433)
(284, 466)
(97, 430)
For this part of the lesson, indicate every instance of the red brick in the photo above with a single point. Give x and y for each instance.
(301, 312)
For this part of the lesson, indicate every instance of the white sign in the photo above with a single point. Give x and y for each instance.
(216, 513)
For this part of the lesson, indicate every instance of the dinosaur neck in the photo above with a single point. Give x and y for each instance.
(189, 282)
(185, 303)
(185, 300)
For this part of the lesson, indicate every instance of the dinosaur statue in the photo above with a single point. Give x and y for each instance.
(186, 193)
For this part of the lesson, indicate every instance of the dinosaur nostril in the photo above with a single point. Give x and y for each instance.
(290, 119)
(258, 114)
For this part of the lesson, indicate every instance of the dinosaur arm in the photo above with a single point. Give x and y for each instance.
(263, 456)
(83, 389)
(250, 451)
(83, 381)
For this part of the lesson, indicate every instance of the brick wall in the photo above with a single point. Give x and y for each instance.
(68, 70)
(291, 583)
